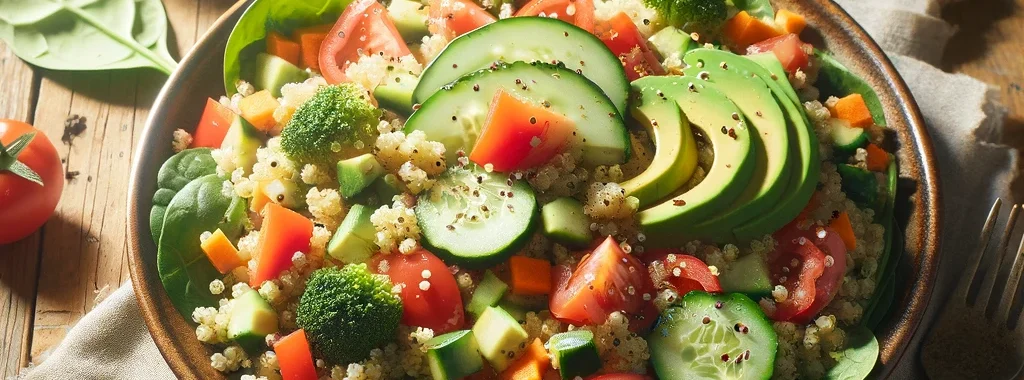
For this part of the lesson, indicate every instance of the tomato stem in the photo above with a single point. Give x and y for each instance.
(9, 159)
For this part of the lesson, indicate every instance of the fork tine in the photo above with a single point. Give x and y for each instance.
(975, 260)
(990, 284)
(1006, 304)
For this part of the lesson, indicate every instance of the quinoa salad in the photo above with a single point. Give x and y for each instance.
(544, 189)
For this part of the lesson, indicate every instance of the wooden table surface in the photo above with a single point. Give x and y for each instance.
(51, 279)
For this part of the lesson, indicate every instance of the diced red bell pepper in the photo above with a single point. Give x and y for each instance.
(213, 126)
(294, 357)
(284, 232)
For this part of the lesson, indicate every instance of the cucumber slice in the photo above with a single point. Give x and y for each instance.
(453, 355)
(455, 115)
(528, 39)
(748, 275)
(574, 353)
(847, 138)
(476, 219)
(487, 294)
(565, 223)
(708, 336)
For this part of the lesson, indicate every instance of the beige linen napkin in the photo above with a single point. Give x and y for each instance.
(962, 114)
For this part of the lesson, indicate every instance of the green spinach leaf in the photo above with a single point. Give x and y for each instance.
(834, 79)
(858, 359)
(880, 302)
(184, 269)
(885, 295)
(247, 38)
(87, 34)
(174, 174)
(761, 9)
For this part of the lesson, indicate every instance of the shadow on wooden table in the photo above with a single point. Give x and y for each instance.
(974, 19)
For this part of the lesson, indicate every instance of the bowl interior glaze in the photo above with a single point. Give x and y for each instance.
(199, 76)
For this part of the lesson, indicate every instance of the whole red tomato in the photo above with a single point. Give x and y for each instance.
(31, 179)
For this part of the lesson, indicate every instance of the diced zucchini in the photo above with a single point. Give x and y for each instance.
(565, 223)
(487, 294)
(453, 355)
(499, 337)
(574, 353)
(847, 138)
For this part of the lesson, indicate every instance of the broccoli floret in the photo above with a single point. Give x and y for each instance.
(337, 123)
(691, 13)
(347, 312)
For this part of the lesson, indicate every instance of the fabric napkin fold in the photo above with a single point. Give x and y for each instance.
(963, 117)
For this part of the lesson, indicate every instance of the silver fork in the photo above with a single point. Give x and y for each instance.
(976, 338)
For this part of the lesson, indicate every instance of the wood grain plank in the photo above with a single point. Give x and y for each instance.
(85, 251)
(18, 261)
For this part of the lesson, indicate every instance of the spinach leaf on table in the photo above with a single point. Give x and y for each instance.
(174, 174)
(87, 34)
(761, 9)
(858, 359)
(271, 15)
(184, 270)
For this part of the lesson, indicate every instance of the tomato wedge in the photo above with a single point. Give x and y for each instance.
(624, 39)
(519, 135)
(605, 281)
(810, 264)
(439, 307)
(453, 18)
(576, 12)
(788, 48)
(363, 29)
(213, 126)
(693, 274)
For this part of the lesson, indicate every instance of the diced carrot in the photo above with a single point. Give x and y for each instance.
(531, 365)
(310, 39)
(529, 276)
(790, 22)
(743, 30)
(843, 227)
(259, 199)
(283, 47)
(258, 110)
(295, 357)
(221, 252)
(284, 232)
(878, 158)
(853, 109)
(213, 126)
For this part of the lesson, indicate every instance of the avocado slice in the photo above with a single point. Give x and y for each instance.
(711, 112)
(241, 141)
(675, 153)
(357, 173)
(353, 242)
(395, 93)
(805, 158)
(723, 71)
(274, 72)
(671, 41)
(250, 321)
(410, 18)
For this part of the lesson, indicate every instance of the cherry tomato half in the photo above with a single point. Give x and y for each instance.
(810, 264)
(439, 307)
(693, 274)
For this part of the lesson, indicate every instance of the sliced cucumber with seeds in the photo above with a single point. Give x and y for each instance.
(455, 115)
(575, 353)
(847, 138)
(476, 219)
(707, 336)
(527, 39)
